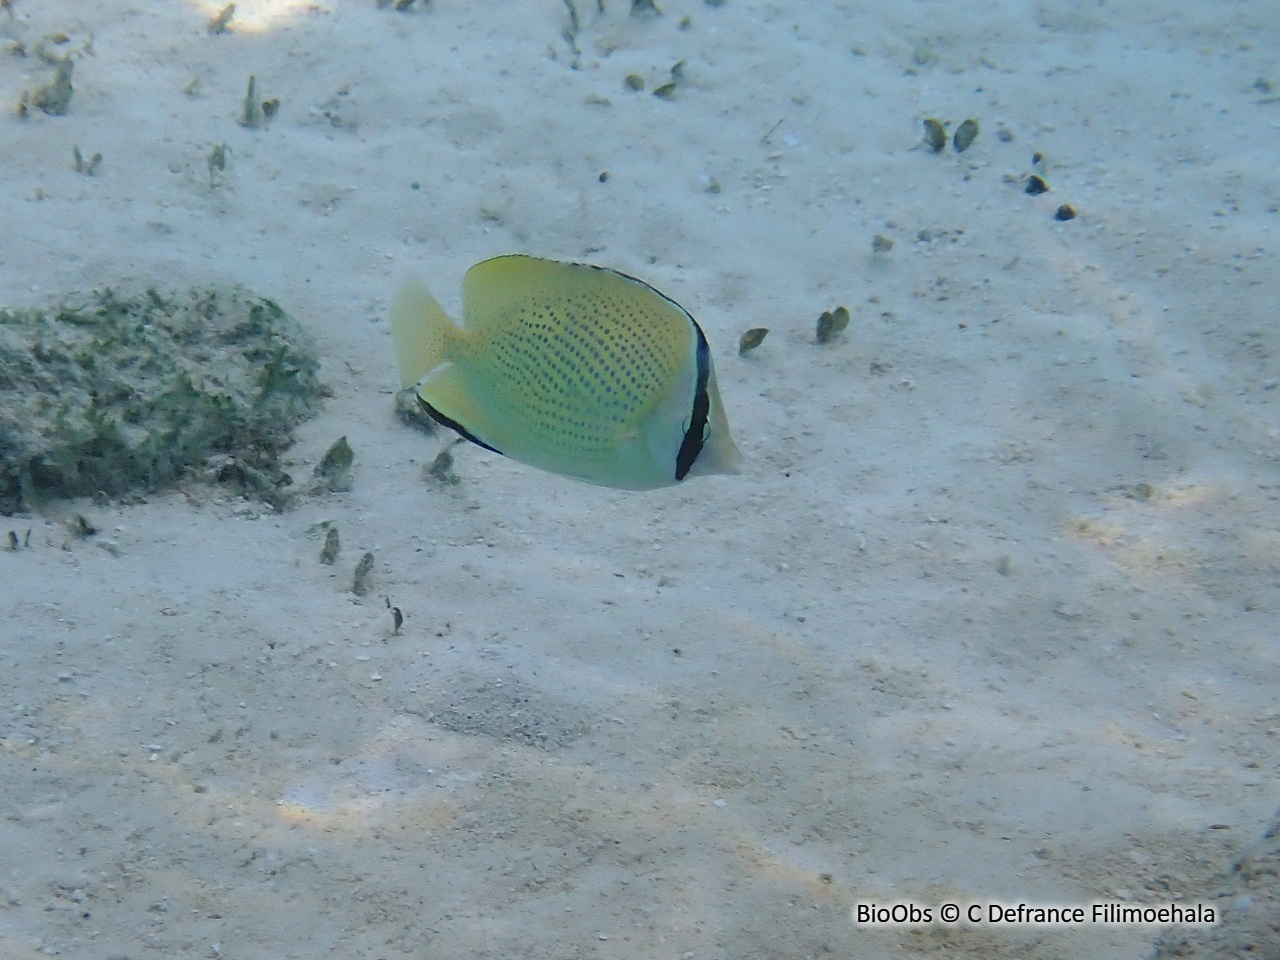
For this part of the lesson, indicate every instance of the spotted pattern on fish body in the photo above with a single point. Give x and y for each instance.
(576, 369)
(572, 373)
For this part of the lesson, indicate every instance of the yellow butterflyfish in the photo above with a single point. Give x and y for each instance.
(575, 369)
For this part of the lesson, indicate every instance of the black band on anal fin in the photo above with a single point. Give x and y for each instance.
(462, 431)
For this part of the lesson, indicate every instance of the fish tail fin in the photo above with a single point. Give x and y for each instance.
(422, 332)
(720, 454)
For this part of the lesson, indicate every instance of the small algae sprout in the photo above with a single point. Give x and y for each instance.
(81, 527)
(881, 244)
(831, 323)
(252, 116)
(441, 469)
(361, 581)
(935, 134)
(575, 24)
(217, 161)
(82, 165)
(752, 339)
(667, 91)
(644, 8)
(124, 394)
(218, 24)
(966, 133)
(329, 552)
(570, 33)
(333, 472)
(411, 412)
(54, 97)
(924, 55)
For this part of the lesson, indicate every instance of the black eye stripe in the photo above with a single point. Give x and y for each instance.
(696, 435)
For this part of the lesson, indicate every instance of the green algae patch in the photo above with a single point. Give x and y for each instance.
(112, 394)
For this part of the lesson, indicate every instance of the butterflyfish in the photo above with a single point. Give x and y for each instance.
(575, 369)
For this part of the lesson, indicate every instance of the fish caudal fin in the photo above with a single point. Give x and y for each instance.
(421, 330)
(720, 454)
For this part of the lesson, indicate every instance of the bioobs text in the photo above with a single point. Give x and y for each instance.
(872, 913)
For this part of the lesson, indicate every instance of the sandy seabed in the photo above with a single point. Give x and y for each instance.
(990, 615)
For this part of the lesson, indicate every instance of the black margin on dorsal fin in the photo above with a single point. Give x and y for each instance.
(696, 435)
(458, 428)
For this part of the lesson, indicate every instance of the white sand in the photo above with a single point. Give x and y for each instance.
(197, 755)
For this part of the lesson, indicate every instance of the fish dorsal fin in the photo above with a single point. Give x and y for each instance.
(494, 288)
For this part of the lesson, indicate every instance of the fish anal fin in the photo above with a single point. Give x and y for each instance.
(449, 400)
